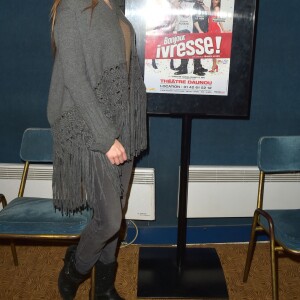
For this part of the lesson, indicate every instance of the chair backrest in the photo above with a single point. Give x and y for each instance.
(37, 145)
(279, 154)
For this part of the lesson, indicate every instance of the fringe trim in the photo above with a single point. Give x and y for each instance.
(137, 110)
(75, 177)
(76, 169)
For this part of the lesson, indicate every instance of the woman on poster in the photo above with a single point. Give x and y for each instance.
(214, 26)
(163, 23)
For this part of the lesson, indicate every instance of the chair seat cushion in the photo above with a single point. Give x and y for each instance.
(37, 216)
(287, 227)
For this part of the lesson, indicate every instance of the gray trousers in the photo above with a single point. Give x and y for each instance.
(99, 239)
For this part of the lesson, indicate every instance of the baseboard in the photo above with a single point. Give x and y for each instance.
(195, 235)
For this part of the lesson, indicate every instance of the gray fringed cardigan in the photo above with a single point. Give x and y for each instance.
(92, 100)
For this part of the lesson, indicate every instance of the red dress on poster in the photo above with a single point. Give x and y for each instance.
(213, 26)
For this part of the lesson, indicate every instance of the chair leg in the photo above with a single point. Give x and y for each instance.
(251, 248)
(93, 282)
(14, 253)
(273, 270)
(12, 245)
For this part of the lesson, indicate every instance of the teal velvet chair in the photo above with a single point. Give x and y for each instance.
(277, 154)
(36, 218)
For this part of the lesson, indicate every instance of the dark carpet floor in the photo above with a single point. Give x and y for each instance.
(36, 275)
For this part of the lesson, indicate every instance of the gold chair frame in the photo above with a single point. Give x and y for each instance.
(11, 237)
(275, 246)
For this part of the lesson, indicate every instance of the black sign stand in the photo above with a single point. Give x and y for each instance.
(181, 272)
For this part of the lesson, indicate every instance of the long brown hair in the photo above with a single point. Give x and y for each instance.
(211, 5)
(53, 18)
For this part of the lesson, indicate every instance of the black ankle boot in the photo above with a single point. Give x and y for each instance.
(182, 70)
(172, 64)
(105, 282)
(199, 72)
(69, 278)
(154, 64)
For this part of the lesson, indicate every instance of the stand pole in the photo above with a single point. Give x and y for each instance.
(169, 272)
(183, 190)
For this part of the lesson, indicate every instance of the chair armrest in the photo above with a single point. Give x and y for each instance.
(3, 200)
(262, 212)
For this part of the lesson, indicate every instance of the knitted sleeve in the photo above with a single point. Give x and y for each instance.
(71, 57)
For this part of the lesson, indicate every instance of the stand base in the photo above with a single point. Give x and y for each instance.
(201, 275)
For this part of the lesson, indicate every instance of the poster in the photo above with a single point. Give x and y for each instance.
(188, 46)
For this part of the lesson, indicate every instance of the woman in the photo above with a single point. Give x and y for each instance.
(163, 23)
(97, 111)
(214, 26)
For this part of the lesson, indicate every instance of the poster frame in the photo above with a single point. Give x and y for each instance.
(237, 102)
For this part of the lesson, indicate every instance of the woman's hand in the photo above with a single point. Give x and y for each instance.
(116, 154)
